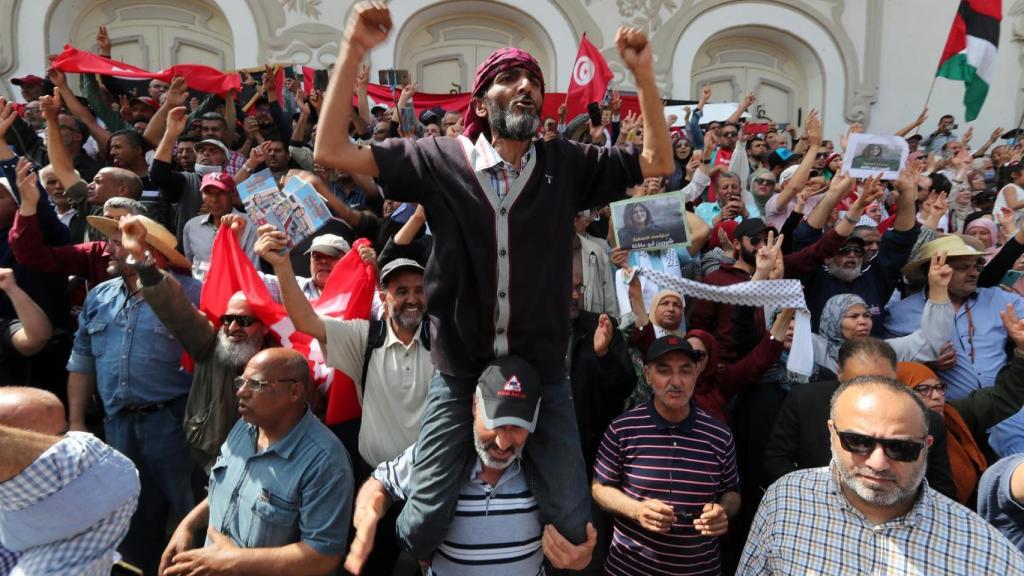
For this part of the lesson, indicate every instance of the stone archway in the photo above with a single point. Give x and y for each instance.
(782, 71)
(448, 39)
(47, 26)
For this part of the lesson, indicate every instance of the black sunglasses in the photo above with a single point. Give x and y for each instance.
(729, 134)
(851, 249)
(764, 181)
(899, 450)
(242, 320)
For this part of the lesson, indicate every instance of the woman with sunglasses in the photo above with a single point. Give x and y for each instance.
(846, 317)
(682, 152)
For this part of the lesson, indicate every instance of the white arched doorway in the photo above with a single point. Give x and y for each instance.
(811, 47)
(781, 71)
(442, 43)
(47, 26)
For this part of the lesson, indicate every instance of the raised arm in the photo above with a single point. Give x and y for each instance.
(368, 27)
(60, 160)
(636, 54)
(35, 328)
(177, 95)
(272, 247)
(748, 101)
(902, 132)
(80, 111)
(812, 133)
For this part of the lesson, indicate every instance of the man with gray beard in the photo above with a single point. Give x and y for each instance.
(220, 353)
(389, 361)
(871, 511)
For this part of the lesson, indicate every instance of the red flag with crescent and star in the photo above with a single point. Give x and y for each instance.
(590, 78)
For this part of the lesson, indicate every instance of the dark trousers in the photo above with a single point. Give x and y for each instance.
(445, 455)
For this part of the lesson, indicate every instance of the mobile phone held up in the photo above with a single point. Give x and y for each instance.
(407, 119)
(755, 128)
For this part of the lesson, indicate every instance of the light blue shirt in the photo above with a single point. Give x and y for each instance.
(136, 359)
(708, 211)
(978, 336)
(299, 489)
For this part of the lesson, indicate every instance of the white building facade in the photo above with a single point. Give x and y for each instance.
(868, 61)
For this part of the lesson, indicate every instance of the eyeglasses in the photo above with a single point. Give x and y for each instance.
(851, 249)
(898, 450)
(821, 155)
(255, 384)
(764, 181)
(929, 389)
(729, 134)
(977, 267)
(242, 320)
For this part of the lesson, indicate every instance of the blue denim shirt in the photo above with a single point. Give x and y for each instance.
(135, 358)
(299, 489)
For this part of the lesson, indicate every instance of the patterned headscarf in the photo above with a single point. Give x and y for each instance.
(500, 60)
(987, 224)
(830, 329)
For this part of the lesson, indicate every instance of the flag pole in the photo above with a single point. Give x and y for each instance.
(927, 100)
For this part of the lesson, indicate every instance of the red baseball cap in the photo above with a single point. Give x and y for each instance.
(221, 180)
(147, 101)
(30, 80)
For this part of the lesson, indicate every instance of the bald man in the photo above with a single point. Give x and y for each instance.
(871, 511)
(32, 409)
(280, 497)
(68, 522)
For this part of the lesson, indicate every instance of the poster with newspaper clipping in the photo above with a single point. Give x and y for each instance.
(868, 155)
(297, 209)
(651, 222)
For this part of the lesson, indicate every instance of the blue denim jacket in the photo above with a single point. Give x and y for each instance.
(299, 489)
(135, 358)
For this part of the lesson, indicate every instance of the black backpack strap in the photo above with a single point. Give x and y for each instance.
(376, 333)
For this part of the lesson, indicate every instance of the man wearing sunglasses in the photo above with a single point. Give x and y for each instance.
(280, 496)
(220, 350)
(870, 511)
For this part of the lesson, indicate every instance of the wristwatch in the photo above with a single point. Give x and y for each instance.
(850, 220)
(147, 260)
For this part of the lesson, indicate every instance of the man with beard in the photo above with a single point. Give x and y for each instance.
(501, 208)
(124, 352)
(389, 360)
(219, 354)
(845, 271)
(870, 511)
(510, 540)
(749, 235)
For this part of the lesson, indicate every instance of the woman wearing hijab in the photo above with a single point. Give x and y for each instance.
(716, 385)
(986, 232)
(966, 460)
(666, 317)
(682, 152)
(846, 317)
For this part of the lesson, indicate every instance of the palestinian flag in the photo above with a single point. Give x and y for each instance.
(970, 53)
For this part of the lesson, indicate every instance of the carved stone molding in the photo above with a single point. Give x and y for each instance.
(861, 84)
(8, 44)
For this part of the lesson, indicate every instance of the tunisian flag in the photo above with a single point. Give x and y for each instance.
(347, 295)
(199, 77)
(590, 78)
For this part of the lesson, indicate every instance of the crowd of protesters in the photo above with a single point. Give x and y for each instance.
(528, 397)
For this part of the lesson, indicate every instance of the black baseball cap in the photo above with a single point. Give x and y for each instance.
(750, 227)
(508, 394)
(672, 343)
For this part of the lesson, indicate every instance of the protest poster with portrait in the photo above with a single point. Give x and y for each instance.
(651, 222)
(868, 155)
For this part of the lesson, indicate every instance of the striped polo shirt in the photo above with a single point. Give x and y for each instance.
(686, 465)
(496, 530)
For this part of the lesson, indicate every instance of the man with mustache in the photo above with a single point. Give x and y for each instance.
(501, 207)
(511, 539)
(667, 471)
(870, 510)
(220, 350)
(388, 359)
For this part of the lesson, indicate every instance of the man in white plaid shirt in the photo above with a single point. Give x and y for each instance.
(871, 511)
(65, 501)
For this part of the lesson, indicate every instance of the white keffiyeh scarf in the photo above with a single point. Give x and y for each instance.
(771, 294)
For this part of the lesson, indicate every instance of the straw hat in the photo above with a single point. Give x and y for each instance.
(157, 237)
(952, 244)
